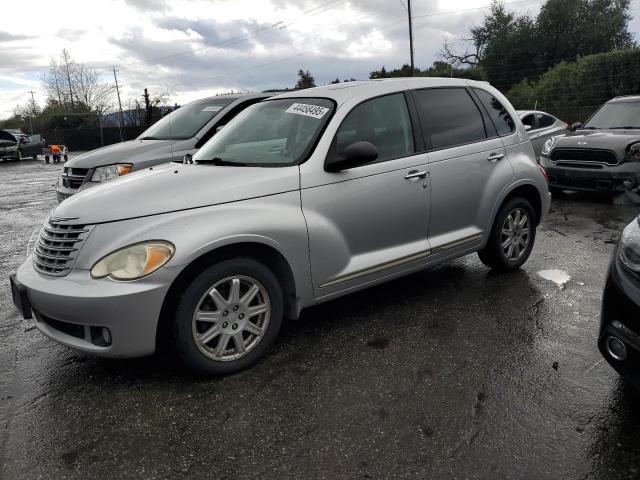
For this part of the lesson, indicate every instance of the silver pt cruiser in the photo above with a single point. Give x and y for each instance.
(300, 199)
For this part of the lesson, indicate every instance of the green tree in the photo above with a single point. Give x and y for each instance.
(305, 80)
(511, 48)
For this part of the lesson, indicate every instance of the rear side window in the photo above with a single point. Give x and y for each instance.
(383, 121)
(529, 120)
(501, 118)
(544, 121)
(450, 117)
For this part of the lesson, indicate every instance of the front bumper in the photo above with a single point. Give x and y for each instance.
(595, 178)
(621, 319)
(9, 154)
(73, 310)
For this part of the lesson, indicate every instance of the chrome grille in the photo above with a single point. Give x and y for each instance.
(57, 246)
(73, 177)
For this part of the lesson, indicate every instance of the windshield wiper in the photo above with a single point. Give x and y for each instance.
(589, 128)
(220, 162)
(148, 138)
(626, 127)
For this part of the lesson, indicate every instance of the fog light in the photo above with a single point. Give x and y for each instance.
(106, 336)
(616, 348)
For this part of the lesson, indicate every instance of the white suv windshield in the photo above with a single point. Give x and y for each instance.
(271, 133)
(616, 115)
(187, 120)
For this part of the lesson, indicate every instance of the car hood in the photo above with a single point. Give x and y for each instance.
(616, 140)
(133, 151)
(6, 137)
(173, 187)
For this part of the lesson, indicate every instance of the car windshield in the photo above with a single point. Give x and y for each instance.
(275, 133)
(616, 115)
(187, 120)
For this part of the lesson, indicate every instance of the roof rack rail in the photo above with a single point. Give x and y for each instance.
(627, 96)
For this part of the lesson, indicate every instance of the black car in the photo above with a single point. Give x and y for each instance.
(16, 145)
(619, 339)
(602, 155)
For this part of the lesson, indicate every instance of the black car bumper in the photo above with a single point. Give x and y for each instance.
(620, 322)
(592, 177)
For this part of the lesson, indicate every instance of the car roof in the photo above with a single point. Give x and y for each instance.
(234, 96)
(625, 98)
(522, 113)
(364, 89)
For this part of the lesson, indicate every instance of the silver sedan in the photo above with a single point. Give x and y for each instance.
(540, 126)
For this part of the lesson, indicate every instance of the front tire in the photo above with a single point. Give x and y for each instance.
(512, 236)
(229, 317)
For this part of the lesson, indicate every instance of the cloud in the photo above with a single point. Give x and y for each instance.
(6, 37)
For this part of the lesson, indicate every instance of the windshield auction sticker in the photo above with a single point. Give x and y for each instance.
(212, 108)
(307, 110)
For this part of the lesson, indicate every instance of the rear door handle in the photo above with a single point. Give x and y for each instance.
(415, 174)
(495, 156)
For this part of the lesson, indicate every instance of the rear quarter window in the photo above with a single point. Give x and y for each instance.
(498, 113)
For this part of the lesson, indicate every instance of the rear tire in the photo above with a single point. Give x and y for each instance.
(229, 317)
(512, 236)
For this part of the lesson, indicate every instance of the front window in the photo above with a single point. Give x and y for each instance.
(275, 133)
(616, 115)
(187, 120)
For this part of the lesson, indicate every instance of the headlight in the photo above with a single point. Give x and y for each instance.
(548, 145)
(110, 172)
(135, 261)
(633, 152)
(629, 250)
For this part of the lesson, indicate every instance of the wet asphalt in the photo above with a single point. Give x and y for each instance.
(455, 372)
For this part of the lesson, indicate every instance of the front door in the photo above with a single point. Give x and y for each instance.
(369, 222)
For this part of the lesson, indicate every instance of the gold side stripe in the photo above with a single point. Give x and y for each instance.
(457, 243)
(401, 261)
(377, 268)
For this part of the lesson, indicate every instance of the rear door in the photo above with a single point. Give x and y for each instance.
(467, 165)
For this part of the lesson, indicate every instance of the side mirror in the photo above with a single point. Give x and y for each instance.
(219, 127)
(356, 154)
(23, 140)
(575, 126)
(528, 128)
(188, 158)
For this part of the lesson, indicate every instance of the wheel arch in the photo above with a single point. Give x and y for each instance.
(261, 252)
(529, 192)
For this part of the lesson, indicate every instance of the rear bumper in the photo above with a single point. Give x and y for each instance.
(73, 310)
(621, 319)
(600, 178)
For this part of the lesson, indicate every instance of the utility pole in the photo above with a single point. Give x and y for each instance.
(33, 111)
(119, 104)
(410, 37)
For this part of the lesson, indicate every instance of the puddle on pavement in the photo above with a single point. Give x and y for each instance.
(559, 277)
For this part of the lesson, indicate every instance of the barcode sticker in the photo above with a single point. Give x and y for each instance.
(307, 110)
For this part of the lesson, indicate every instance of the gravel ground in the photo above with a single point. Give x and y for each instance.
(455, 372)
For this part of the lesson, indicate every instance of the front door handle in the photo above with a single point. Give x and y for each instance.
(495, 156)
(415, 174)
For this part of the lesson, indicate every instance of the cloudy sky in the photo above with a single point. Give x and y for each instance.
(187, 49)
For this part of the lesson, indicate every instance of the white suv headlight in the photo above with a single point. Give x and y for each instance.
(629, 251)
(135, 261)
(110, 172)
(548, 145)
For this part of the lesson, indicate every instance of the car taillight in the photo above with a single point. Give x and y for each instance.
(544, 173)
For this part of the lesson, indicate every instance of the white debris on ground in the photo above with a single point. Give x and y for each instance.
(559, 277)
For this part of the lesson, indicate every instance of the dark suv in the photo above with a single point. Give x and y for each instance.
(601, 155)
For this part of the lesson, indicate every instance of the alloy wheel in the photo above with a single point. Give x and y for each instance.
(231, 318)
(515, 236)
